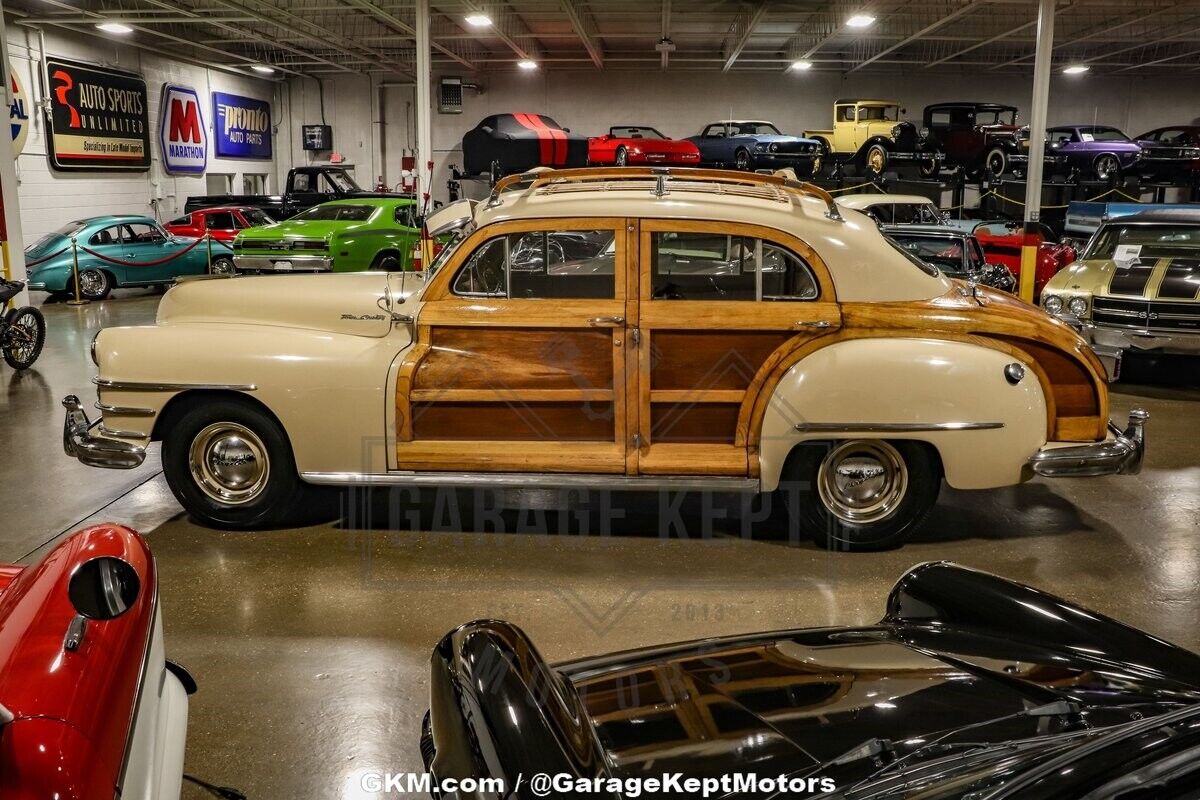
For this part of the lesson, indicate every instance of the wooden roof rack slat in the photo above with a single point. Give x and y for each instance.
(664, 175)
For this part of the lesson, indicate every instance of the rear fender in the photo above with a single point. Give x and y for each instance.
(878, 383)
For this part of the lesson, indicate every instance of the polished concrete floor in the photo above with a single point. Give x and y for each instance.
(310, 645)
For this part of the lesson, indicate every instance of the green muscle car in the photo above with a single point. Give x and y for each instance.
(340, 236)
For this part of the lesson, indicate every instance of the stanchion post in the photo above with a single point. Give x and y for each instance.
(208, 244)
(78, 300)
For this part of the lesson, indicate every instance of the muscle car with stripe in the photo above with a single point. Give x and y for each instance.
(615, 328)
(1136, 287)
(521, 141)
(756, 144)
(640, 144)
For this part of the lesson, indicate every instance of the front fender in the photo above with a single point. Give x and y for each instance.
(889, 381)
(328, 390)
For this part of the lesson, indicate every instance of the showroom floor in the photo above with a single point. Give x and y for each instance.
(310, 645)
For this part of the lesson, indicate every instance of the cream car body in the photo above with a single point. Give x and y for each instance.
(338, 360)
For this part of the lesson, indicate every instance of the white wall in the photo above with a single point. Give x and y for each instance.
(49, 198)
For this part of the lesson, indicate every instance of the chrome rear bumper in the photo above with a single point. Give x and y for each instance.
(92, 450)
(1120, 454)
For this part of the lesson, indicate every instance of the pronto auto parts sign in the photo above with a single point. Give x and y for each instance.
(98, 118)
(243, 126)
(181, 131)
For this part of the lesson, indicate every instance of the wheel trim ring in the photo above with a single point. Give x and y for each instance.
(208, 449)
(879, 490)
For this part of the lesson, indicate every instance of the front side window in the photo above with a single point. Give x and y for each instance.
(878, 113)
(714, 130)
(141, 233)
(715, 266)
(253, 216)
(542, 265)
(338, 211)
(1097, 134)
(219, 222)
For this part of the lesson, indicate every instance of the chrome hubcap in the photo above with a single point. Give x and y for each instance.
(91, 282)
(229, 463)
(862, 481)
(875, 159)
(222, 266)
(1106, 167)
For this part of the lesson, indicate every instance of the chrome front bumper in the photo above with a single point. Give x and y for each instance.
(92, 450)
(283, 263)
(1111, 344)
(1120, 454)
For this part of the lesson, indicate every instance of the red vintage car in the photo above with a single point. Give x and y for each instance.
(89, 707)
(1001, 242)
(222, 222)
(639, 144)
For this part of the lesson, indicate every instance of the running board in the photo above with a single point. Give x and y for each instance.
(522, 480)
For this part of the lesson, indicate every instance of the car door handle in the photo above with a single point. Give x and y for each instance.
(815, 323)
(607, 321)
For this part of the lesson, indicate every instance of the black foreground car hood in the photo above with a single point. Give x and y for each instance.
(955, 650)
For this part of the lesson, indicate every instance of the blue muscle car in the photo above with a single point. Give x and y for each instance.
(754, 144)
(118, 251)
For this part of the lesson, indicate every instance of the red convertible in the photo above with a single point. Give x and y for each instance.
(90, 709)
(222, 223)
(638, 144)
(1001, 242)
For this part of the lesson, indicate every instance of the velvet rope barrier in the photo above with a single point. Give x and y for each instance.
(29, 264)
(103, 257)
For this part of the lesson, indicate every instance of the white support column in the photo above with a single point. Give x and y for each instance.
(13, 255)
(1037, 146)
(424, 104)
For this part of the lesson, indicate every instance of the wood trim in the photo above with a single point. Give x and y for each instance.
(696, 396)
(693, 459)
(631, 354)
(526, 395)
(521, 313)
(511, 456)
(404, 381)
(721, 315)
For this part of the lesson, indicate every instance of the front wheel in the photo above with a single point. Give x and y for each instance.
(741, 159)
(876, 158)
(24, 335)
(930, 168)
(1107, 168)
(861, 494)
(230, 465)
(996, 162)
(622, 157)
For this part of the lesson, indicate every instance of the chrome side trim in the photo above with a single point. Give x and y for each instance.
(521, 480)
(140, 386)
(125, 411)
(121, 434)
(894, 427)
(1120, 455)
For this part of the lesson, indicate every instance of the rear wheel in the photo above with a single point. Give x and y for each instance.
(861, 494)
(622, 157)
(230, 465)
(94, 284)
(24, 337)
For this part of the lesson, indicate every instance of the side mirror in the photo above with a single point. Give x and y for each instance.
(103, 588)
(566, 130)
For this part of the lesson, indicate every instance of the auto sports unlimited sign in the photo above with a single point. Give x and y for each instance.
(243, 126)
(98, 118)
(181, 131)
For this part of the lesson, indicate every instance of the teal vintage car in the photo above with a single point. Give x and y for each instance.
(348, 235)
(116, 251)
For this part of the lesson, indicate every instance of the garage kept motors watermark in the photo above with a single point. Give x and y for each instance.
(564, 785)
(243, 126)
(98, 118)
(181, 131)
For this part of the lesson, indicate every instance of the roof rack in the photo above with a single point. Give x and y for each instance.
(663, 176)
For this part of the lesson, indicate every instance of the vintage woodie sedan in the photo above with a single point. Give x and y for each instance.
(612, 328)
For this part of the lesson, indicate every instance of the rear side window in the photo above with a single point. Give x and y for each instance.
(716, 266)
(110, 235)
(542, 265)
(219, 222)
(404, 216)
(181, 221)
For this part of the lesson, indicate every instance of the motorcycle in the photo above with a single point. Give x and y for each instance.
(22, 329)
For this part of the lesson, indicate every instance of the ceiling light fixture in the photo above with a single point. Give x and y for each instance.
(527, 64)
(800, 66)
(1076, 69)
(478, 20)
(263, 68)
(114, 27)
(861, 21)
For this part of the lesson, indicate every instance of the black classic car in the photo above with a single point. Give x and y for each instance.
(980, 138)
(970, 687)
(521, 141)
(952, 251)
(1171, 153)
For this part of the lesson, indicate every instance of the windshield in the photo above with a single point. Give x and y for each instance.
(634, 132)
(342, 181)
(335, 211)
(878, 113)
(925, 267)
(1007, 117)
(753, 128)
(944, 252)
(1166, 240)
(904, 213)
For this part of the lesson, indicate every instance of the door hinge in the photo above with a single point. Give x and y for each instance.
(636, 336)
(637, 441)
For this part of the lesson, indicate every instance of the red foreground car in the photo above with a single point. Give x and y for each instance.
(222, 223)
(638, 144)
(1002, 245)
(89, 707)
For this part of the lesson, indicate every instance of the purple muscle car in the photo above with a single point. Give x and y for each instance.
(1095, 151)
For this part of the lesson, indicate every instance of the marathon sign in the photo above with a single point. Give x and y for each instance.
(181, 131)
(98, 118)
(243, 126)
